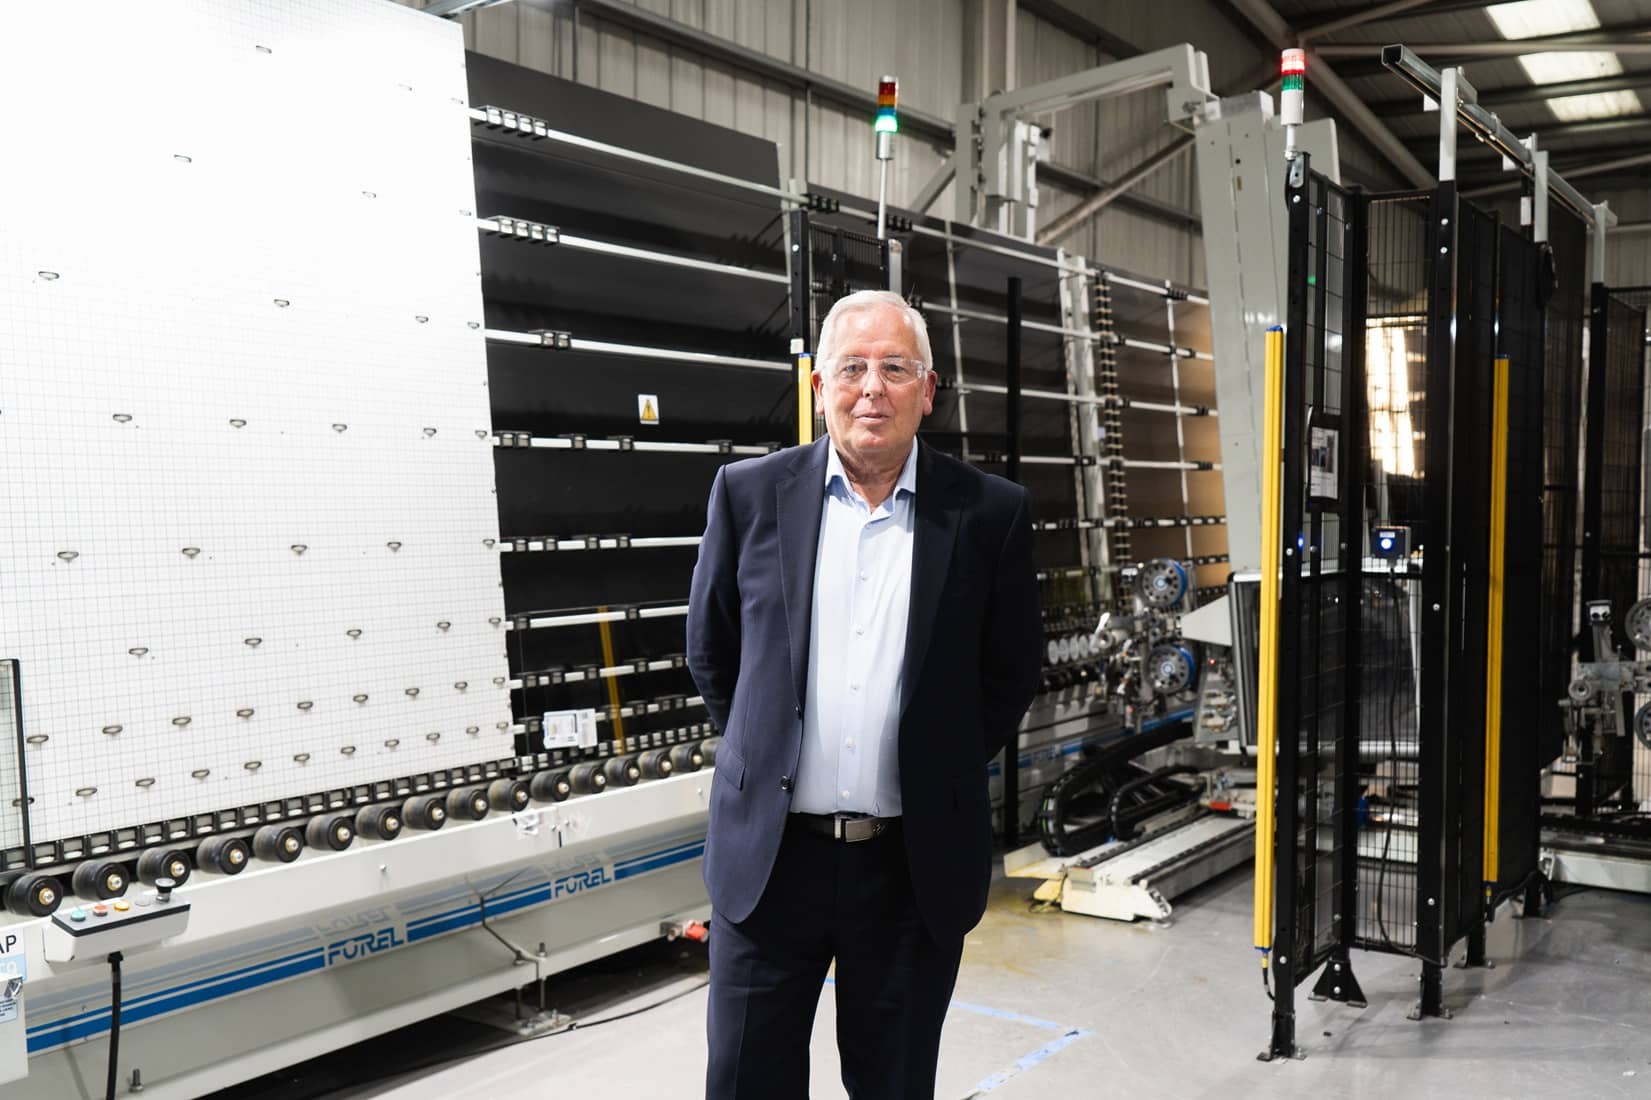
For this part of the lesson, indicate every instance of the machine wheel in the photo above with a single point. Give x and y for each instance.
(468, 803)
(687, 758)
(172, 863)
(655, 764)
(228, 855)
(381, 822)
(100, 878)
(588, 778)
(509, 795)
(333, 832)
(424, 811)
(552, 786)
(622, 771)
(34, 894)
(278, 843)
(708, 749)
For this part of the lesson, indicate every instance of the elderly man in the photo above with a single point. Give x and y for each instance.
(863, 625)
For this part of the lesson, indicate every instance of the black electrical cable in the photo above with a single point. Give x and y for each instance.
(114, 1023)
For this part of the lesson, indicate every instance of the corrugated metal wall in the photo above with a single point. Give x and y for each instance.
(923, 41)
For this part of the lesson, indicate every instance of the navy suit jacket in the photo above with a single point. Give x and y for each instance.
(972, 660)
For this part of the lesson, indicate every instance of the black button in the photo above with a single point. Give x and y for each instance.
(799, 710)
(785, 782)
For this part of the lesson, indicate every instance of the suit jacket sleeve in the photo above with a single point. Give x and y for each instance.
(1011, 657)
(714, 608)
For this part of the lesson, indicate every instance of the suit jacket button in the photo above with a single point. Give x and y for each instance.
(785, 782)
(799, 711)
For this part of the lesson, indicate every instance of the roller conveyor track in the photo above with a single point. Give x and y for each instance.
(1109, 794)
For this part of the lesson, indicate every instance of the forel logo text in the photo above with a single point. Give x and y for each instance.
(576, 882)
(360, 946)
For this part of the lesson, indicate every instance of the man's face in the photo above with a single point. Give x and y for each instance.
(873, 423)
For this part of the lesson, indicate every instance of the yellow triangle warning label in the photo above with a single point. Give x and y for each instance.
(647, 408)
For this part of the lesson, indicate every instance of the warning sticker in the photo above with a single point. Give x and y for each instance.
(647, 408)
(1321, 463)
(569, 729)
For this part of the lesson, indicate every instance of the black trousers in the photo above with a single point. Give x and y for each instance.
(828, 900)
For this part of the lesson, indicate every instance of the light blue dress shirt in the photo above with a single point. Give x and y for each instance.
(857, 649)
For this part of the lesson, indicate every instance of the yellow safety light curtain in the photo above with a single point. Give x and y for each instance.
(1266, 713)
(1493, 640)
(614, 716)
(805, 399)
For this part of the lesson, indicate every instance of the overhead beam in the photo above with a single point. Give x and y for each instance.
(1522, 94)
(1079, 27)
(1364, 59)
(1581, 171)
(1590, 128)
(913, 123)
(1373, 14)
(1099, 201)
(1342, 99)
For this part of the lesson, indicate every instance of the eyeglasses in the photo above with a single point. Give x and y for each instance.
(895, 372)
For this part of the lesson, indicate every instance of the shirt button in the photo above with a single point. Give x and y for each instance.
(859, 630)
(854, 687)
(864, 575)
(845, 792)
(849, 744)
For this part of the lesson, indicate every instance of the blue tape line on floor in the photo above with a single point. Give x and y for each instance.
(1030, 1060)
(1069, 1036)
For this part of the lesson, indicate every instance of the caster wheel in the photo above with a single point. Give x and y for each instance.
(588, 778)
(330, 832)
(228, 855)
(468, 803)
(172, 863)
(424, 811)
(509, 795)
(100, 879)
(655, 764)
(686, 758)
(622, 771)
(34, 894)
(381, 822)
(280, 843)
(552, 786)
(708, 749)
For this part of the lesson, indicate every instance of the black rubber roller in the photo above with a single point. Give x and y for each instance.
(424, 811)
(686, 758)
(278, 843)
(656, 764)
(228, 855)
(552, 786)
(622, 771)
(172, 863)
(100, 878)
(381, 822)
(468, 803)
(509, 795)
(34, 894)
(330, 832)
(708, 749)
(588, 778)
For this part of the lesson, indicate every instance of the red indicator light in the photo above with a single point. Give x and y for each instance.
(1294, 63)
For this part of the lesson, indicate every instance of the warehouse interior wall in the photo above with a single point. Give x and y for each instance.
(935, 47)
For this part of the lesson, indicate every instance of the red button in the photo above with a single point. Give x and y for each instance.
(100, 910)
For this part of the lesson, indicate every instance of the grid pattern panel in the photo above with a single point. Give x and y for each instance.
(253, 549)
(1390, 633)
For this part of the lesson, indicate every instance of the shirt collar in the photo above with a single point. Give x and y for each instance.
(906, 483)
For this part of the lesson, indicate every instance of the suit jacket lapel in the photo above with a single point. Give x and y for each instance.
(939, 507)
(797, 502)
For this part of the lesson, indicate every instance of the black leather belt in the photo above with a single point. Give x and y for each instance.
(848, 828)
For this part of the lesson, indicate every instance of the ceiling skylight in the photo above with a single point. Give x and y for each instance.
(1551, 68)
(1537, 18)
(1580, 108)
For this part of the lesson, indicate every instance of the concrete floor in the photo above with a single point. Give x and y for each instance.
(1056, 1005)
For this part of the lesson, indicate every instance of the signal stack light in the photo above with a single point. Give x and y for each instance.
(885, 126)
(1292, 100)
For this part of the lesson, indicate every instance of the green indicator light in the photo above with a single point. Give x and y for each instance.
(1312, 280)
(886, 123)
(1294, 82)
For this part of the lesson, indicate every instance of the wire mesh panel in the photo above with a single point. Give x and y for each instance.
(1611, 517)
(1321, 538)
(1562, 412)
(1398, 264)
(1520, 340)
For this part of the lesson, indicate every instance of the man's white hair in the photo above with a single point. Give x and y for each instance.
(872, 299)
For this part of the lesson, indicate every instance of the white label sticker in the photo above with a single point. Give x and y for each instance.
(647, 408)
(569, 729)
(1321, 463)
(8, 1010)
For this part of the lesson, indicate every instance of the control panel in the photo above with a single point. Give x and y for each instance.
(88, 931)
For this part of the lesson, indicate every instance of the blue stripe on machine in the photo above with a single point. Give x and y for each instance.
(84, 1025)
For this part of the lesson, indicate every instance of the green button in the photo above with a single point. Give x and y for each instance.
(77, 914)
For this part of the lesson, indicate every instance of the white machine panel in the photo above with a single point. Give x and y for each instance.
(249, 547)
